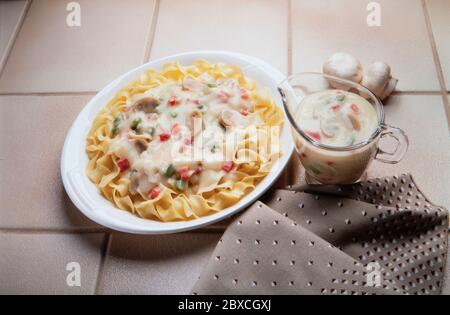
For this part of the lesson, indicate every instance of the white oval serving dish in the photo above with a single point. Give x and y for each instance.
(74, 159)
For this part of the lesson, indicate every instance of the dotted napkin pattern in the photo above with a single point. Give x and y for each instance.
(382, 236)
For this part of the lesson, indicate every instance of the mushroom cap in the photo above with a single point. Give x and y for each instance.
(379, 68)
(376, 78)
(146, 104)
(345, 66)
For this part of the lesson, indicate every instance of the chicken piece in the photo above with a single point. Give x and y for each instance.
(232, 118)
(229, 83)
(193, 85)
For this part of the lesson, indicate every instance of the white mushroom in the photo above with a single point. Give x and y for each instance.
(354, 121)
(378, 79)
(146, 104)
(344, 66)
(329, 126)
(141, 141)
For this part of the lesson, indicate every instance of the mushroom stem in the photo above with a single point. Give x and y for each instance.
(390, 87)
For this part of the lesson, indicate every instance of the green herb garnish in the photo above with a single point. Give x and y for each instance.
(151, 131)
(214, 149)
(180, 184)
(116, 123)
(135, 124)
(170, 171)
(340, 98)
(173, 115)
(212, 85)
(352, 141)
(132, 172)
(201, 108)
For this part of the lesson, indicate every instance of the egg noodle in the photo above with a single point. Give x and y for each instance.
(184, 142)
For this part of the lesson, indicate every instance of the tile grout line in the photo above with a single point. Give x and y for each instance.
(416, 92)
(54, 231)
(437, 61)
(151, 33)
(38, 231)
(103, 259)
(67, 93)
(13, 37)
(289, 38)
(290, 177)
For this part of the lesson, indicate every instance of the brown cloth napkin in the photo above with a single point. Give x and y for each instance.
(382, 236)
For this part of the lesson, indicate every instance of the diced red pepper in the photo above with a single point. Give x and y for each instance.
(244, 112)
(188, 140)
(244, 93)
(183, 169)
(223, 96)
(153, 116)
(184, 173)
(354, 108)
(154, 193)
(123, 165)
(164, 136)
(185, 176)
(199, 169)
(176, 129)
(228, 166)
(314, 134)
(335, 107)
(173, 101)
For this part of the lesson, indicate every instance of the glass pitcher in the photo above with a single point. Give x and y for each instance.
(332, 164)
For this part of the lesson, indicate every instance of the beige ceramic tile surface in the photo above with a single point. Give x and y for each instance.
(167, 264)
(428, 158)
(49, 56)
(258, 28)
(439, 11)
(321, 28)
(33, 130)
(36, 263)
(10, 15)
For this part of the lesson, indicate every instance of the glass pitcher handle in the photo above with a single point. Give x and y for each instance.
(402, 145)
